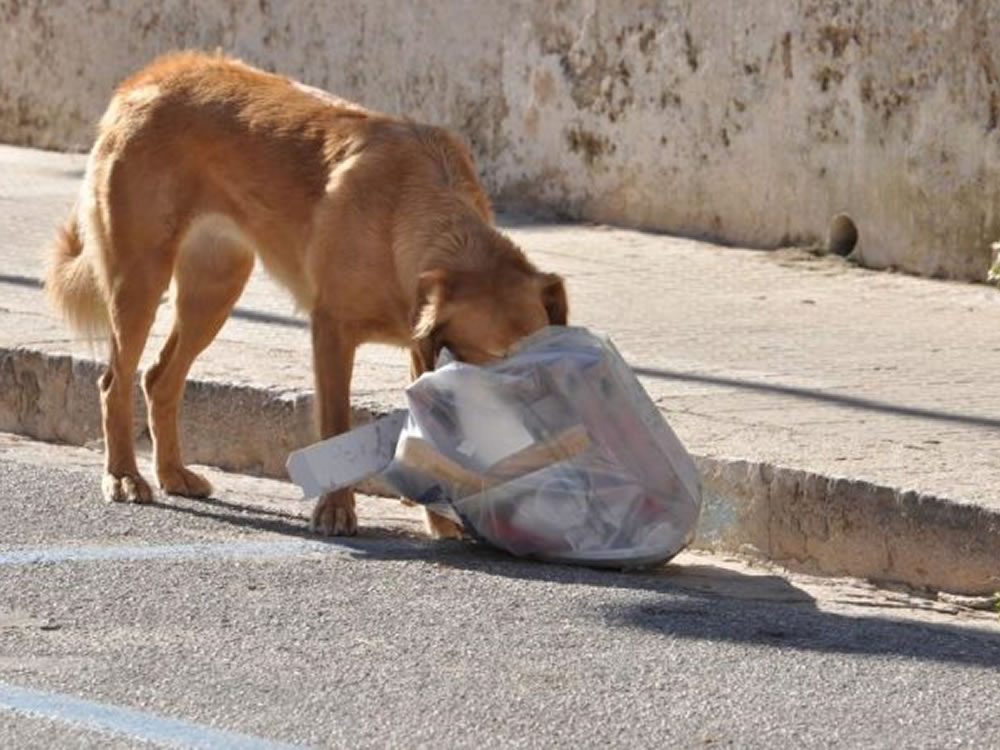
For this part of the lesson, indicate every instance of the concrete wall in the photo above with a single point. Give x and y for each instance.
(745, 121)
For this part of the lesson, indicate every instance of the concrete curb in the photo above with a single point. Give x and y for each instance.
(803, 520)
(849, 527)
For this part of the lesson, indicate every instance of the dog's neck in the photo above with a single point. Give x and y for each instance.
(464, 241)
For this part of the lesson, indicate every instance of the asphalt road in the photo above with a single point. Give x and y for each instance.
(221, 623)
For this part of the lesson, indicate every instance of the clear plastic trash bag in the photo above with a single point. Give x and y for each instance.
(554, 452)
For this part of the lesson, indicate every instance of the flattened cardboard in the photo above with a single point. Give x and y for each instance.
(346, 459)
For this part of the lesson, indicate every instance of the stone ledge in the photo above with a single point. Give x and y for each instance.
(802, 520)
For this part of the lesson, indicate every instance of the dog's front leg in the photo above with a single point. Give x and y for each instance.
(333, 361)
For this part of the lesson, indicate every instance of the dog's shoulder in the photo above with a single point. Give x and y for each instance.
(434, 151)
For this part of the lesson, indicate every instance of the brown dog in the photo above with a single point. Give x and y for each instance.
(377, 225)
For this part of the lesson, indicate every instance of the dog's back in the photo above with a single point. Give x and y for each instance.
(194, 135)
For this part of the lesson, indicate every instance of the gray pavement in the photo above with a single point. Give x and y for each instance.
(845, 421)
(173, 623)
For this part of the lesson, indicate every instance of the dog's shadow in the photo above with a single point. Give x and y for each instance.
(246, 517)
(700, 601)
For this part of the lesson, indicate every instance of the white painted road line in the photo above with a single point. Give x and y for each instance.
(138, 725)
(192, 551)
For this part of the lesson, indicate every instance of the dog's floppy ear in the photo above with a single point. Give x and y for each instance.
(428, 316)
(554, 298)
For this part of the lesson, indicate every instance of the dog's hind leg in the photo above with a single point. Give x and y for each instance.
(212, 268)
(132, 309)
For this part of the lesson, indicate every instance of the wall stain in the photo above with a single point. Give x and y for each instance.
(589, 145)
(786, 54)
(834, 39)
(982, 50)
(690, 51)
(827, 75)
(646, 40)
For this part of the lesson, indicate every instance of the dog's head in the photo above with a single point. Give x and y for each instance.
(480, 315)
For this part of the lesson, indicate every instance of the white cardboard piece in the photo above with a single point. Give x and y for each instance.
(348, 458)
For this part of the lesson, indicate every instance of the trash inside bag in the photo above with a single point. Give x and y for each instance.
(554, 452)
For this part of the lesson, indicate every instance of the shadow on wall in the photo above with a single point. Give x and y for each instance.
(243, 313)
(851, 402)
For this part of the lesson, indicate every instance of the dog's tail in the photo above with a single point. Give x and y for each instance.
(71, 285)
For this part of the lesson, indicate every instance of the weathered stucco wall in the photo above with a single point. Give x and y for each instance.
(747, 122)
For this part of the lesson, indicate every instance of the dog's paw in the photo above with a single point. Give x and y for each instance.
(441, 527)
(184, 482)
(334, 515)
(130, 488)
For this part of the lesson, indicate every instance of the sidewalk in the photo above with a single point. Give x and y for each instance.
(845, 421)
